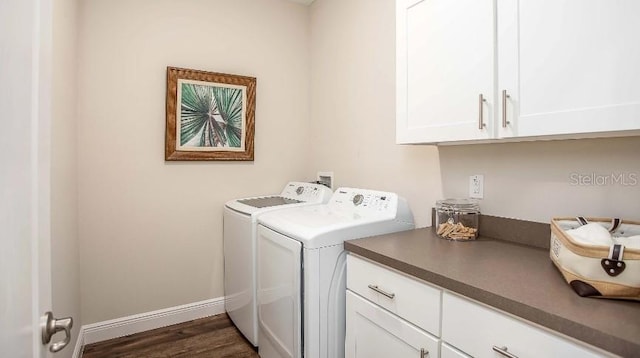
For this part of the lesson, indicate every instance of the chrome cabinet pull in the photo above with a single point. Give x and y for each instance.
(504, 108)
(423, 353)
(382, 292)
(51, 326)
(481, 124)
(503, 351)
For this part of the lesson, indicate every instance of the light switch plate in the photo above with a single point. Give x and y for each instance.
(476, 186)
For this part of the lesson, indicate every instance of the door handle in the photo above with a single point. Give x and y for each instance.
(51, 326)
(504, 108)
(481, 101)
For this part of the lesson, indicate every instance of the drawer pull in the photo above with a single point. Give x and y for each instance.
(382, 292)
(423, 353)
(503, 351)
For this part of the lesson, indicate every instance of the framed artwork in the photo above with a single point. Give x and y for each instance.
(210, 116)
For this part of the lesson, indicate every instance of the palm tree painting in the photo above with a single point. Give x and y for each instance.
(211, 116)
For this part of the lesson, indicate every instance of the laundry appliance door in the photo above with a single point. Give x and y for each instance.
(279, 295)
(239, 273)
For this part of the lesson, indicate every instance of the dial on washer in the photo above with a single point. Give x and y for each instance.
(357, 200)
(299, 190)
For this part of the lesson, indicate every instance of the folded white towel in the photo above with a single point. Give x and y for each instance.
(592, 234)
(630, 242)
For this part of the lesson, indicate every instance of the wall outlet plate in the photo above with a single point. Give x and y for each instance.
(476, 186)
(326, 178)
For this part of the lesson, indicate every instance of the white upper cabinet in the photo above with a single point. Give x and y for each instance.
(545, 67)
(569, 66)
(445, 62)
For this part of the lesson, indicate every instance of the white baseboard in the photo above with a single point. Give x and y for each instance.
(119, 327)
(77, 351)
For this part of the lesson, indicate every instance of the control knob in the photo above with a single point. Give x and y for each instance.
(357, 200)
(300, 190)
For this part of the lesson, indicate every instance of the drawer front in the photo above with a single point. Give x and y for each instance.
(446, 351)
(407, 297)
(373, 332)
(475, 329)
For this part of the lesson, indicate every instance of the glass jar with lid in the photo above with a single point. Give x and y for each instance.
(457, 219)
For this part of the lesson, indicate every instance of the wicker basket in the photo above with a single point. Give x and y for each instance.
(596, 270)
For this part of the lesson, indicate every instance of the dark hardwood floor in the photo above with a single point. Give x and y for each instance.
(211, 337)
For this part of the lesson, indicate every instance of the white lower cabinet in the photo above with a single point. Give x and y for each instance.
(446, 351)
(373, 332)
(405, 297)
(483, 332)
(390, 314)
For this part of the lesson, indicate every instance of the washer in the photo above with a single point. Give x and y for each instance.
(302, 269)
(239, 232)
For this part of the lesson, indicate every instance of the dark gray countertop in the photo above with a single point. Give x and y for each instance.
(512, 277)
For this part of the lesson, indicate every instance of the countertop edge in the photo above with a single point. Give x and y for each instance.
(539, 317)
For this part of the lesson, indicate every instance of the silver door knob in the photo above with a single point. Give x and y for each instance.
(51, 326)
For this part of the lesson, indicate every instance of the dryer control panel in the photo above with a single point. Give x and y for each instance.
(363, 201)
(306, 192)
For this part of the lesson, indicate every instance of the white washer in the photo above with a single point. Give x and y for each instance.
(301, 269)
(239, 232)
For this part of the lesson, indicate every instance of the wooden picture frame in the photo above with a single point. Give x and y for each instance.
(210, 115)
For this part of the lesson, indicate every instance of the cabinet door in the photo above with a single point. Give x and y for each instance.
(373, 332)
(445, 61)
(569, 66)
(489, 328)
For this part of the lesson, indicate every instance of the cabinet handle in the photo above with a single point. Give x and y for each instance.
(503, 351)
(423, 353)
(481, 124)
(382, 292)
(504, 108)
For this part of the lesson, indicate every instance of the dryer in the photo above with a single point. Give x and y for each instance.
(302, 269)
(239, 235)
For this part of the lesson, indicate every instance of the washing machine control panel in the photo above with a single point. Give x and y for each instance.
(364, 201)
(307, 192)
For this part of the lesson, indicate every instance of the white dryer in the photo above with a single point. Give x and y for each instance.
(301, 269)
(239, 232)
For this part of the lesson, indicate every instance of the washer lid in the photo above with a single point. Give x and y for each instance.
(293, 194)
(268, 201)
(350, 214)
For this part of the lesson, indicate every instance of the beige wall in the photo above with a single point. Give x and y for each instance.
(151, 231)
(539, 180)
(353, 119)
(353, 105)
(65, 277)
